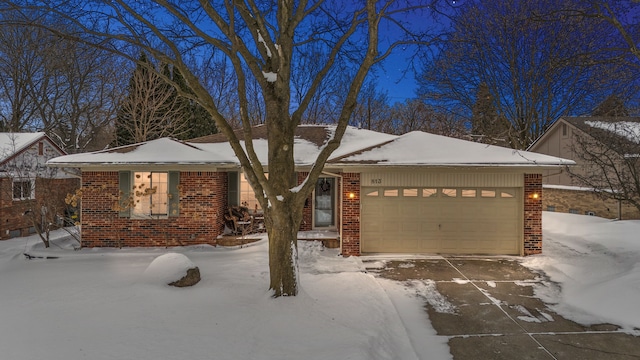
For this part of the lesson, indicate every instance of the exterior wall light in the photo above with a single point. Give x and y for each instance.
(535, 196)
(352, 195)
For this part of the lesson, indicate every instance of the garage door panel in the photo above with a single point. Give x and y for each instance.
(482, 225)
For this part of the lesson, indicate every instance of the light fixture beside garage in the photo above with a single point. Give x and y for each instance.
(535, 196)
(351, 195)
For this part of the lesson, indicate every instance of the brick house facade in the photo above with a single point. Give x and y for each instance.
(203, 200)
(197, 200)
(533, 214)
(17, 217)
(29, 192)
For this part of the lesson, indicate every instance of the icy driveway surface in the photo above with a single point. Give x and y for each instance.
(487, 309)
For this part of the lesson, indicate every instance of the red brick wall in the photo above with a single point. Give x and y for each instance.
(203, 198)
(351, 214)
(49, 192)
(307, 218)
(532, 214)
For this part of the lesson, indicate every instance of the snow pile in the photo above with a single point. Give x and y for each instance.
(168, 268)
(596, 262)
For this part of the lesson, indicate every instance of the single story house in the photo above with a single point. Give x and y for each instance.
(29, 191)
(569, 138)
(380, 193)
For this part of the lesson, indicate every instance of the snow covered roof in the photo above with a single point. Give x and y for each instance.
(358, 146)
(627, 129)
(13, 143)
(215, 150)
(420, 148)
(160, 151)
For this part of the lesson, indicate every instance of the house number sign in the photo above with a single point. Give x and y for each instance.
(377, 181)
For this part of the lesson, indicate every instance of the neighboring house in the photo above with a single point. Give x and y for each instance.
(29, 191)
(578, 138)
(379, 193)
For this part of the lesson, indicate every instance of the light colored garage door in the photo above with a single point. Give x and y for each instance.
(441, 220)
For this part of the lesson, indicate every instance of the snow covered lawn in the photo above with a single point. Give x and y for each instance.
(98, 303)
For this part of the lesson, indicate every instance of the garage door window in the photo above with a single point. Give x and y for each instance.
(391, 192)
(449, 192)
(486, 193)
(410, 192)
(506, 193)
(372, 193)
(429, 192)
(468, 193)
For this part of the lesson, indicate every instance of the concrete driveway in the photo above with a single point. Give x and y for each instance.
(487, 308)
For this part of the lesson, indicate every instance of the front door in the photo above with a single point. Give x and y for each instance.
(325, 203)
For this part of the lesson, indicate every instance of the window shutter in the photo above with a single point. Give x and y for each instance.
(234, 184)
(125, 193)
(174, 193)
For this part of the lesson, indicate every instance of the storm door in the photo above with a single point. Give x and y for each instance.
(325, 203)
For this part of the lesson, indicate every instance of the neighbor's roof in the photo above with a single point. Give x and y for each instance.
(358, 147)
(420, 148)
(623, 126)
(13, 143)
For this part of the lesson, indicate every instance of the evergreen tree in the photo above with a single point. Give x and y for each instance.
(198, 121)
(485, 121)
(125, 119)
(153, 107)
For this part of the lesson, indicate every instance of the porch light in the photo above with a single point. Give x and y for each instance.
(535, 196)
(352, 195)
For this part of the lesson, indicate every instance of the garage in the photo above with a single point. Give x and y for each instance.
(456, 219)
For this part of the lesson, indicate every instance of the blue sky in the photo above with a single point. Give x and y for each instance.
(397, 77)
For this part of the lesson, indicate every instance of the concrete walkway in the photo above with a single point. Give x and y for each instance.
(492, 313)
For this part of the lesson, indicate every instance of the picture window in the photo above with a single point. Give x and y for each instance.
(150, 194)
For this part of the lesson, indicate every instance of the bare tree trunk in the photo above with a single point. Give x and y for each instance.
(282, 228)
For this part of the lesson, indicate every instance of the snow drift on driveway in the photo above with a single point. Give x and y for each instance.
(596, 261)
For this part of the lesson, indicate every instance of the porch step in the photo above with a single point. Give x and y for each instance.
(330, 238)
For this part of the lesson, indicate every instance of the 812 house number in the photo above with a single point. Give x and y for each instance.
(376, 181)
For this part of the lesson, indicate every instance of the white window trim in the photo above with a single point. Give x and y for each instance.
(33, 189)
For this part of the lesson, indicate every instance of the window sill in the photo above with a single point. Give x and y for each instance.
(148, 217)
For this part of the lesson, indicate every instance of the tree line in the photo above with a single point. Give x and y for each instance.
(511, 68)
(502, 73)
